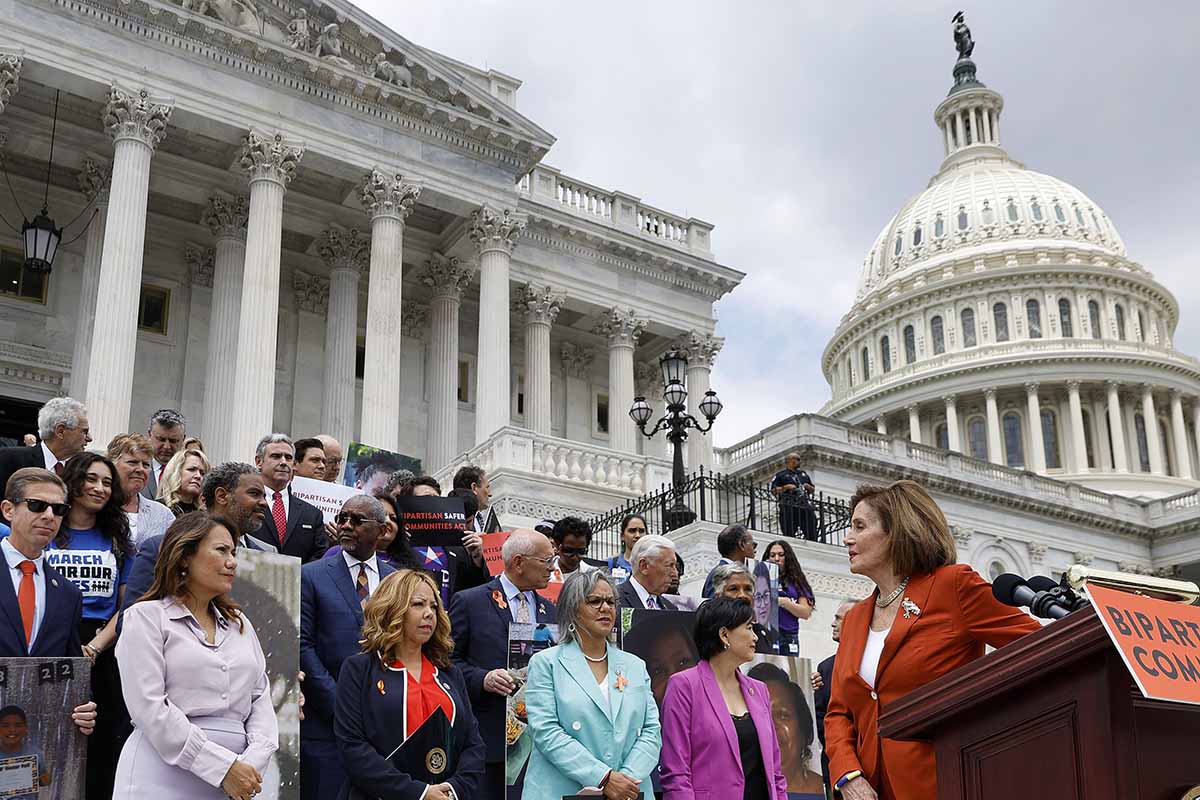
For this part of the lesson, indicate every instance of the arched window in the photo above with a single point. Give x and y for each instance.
(1064, 318)
(1013, 214)
(1163, 446)
(899, 244)
(917, 234)
(1139, 426)
(941, 436)
(1141, 326)
(1079, 217)
(1088, 444)
(910, 344)
(1033, 314)
(849, 372)
(939, 226)
(1014, 447)
(989, 216)
(964, 221)
(1050, 439)
(1094, 317)
(968, 327)
(1035, 210)
(1059, 214)
(1000, 321)
(866, 364)
(1120, 313)
(977, 438)
(939, 337)
(885, 353)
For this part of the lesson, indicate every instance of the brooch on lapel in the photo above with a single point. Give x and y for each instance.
(498, 599)
(379, 686)
(621, 681)
(541, 609)
(910, 608)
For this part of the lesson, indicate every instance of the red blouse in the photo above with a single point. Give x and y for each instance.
(424, 696)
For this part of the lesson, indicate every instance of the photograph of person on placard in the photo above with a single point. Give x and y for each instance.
(795, 724)
(22, 766)
(524, 640)
(42, 753)
(368, 468)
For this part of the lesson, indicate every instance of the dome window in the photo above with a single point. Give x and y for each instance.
(866, 364)
(939, 226)
(964, 221)
(1014, 216)
(938, 335)
(1014, 446)
(1064, 318)
(1143, 442)
(977, 438)
(1141, 326)
(918, 234)
(989, 214)
(1050, 439)
(1120, 314)
(885, 354)
(1094, 318)
(1035, 210)
(967, 318)
(1079, 217)
(910, 344)
(1059, 214)
(899, 244)
(1000, 321)
(1033, 314)
(941, 436)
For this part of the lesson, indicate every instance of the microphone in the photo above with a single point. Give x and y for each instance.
(1013, 590)
(1064, 593)
(1040, 583)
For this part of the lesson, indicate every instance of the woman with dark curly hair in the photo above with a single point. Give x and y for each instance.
(793, 726)
(94, 552)
(796, 598)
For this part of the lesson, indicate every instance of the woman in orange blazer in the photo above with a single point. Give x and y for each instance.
(927, 617)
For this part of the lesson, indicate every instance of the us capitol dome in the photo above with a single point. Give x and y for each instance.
(999, 315)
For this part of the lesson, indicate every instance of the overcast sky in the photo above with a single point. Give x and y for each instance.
(798, 128)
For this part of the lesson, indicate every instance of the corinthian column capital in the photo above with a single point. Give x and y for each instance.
(446, 275)
(200, 261)
(226, 216)
(700, 348)
(493, 229)
(136, 114)
(311, 292)
(344, 248)
(621, 326)
(10, 76)
(538, 305)
(414, 321)
(387, 195)
(270, 157)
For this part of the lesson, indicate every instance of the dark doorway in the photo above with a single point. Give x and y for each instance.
(17, 418)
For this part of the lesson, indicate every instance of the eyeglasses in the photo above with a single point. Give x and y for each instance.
(596, 602)
(38, 506)
(573, 551)
(545, 562)
(355, 519)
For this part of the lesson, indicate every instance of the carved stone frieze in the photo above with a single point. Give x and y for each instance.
(267, 156)
(311, 292)
(1037, 552)
(414, 320)
(10, 76)
(647, 379)
(136, 114)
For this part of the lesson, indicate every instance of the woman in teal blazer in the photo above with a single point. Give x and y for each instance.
(590, 709)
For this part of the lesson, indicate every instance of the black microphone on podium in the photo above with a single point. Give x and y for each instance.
(1013, 590)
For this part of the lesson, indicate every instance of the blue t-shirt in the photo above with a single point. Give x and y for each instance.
(89, 562)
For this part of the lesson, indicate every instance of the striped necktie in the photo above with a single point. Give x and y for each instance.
(364, 589)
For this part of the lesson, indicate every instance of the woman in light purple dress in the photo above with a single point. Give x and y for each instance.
(194, 677)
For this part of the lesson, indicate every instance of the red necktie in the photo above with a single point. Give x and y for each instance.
(27, 598)
(280, 517)
(161, 470)
(58, 468)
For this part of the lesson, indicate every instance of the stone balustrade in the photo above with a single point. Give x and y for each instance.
(546, 185)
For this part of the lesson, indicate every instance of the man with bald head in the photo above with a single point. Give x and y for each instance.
(332, 593)
(333, 457)
(479, 620)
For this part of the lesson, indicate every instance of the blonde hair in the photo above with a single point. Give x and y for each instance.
(129, 443)
(172, 477)
(384, 612)
(919, 539)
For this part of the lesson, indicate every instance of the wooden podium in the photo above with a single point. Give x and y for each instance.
(1053, 715)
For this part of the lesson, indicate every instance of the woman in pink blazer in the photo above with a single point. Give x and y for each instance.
(718, 734)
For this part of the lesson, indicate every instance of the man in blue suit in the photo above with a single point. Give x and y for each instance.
(332, 593)
(39, 608)
(479, 620)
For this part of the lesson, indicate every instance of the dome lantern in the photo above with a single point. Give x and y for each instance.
(970, 116)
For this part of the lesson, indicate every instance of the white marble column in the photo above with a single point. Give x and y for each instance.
(11, 62)
(389, 201)
(270, 160)
(701, 349)
(447, 276)
(1116, 427)
(881, 425)
(1037, 444)
(914, 423)
(201, 265)
(226, 217)
(1150, 418)
(137, 122)
(310, 296)
(577, 374)
(495, 234)
(953, 440)
(1179, 427)
(622, 328)
(538, 306)
(345, 252)
(93, 181)
(1196, 426)
(995, 444)
(1078, 437)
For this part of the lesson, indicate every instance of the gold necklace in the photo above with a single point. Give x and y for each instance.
(891, 598)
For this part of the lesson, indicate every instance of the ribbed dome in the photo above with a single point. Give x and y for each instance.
(986, 201)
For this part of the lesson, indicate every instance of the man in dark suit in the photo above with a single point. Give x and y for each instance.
(479, 620)
(39, 608)
(63, 427)
(168, 429)
(654, 568)
(303, 524)
(332, 592)
(475, 480)
(822, 687)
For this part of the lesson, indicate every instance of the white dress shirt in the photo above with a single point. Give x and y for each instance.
(14, 558)
(642, 594)
(51, 459)
(871, 654)
(372, 566)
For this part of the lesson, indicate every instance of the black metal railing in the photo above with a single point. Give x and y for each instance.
(726, 500)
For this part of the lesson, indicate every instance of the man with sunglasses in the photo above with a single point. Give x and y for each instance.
(332, 593)
(42, 608)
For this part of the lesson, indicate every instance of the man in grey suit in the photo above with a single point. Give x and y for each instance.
(654, 569)
(168, 429)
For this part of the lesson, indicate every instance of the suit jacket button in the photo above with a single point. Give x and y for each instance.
(874, 696)
(576, 726)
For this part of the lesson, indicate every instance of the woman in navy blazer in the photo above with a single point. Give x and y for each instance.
(718, 734)
(403, 722)
(590, 707)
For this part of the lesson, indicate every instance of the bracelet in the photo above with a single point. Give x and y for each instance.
(91, 652)
(849, 776)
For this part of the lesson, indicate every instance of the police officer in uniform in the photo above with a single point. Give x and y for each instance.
(793, 487)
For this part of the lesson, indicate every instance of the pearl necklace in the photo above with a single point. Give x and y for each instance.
(596, 660)
(891, 598)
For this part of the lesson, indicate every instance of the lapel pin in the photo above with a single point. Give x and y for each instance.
(379, 686)
(54, 581)
(910, 608)
(751, 690)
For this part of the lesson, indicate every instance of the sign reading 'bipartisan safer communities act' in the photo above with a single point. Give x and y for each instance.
(433, 521)
(1159, 641)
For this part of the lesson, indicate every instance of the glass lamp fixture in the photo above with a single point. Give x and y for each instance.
(640, 412)
(675, 394)
(41, 242)
(711, 405)
(674, 365)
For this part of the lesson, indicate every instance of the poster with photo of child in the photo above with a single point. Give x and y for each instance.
(42, 753)
(524, 639)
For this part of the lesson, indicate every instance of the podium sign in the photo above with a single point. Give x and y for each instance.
(1159, 642)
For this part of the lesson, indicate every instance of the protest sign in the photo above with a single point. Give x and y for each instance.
(524, 639)
(359, 456)
(492, 558)
(787, 680)
(268, 590)
(432, 521)
(326, 496)
(42, 754)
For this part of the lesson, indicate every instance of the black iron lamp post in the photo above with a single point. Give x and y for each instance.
(676, 423)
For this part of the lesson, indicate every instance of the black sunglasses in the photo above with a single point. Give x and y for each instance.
(573, 551)
(355, 519)
(38, 506)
